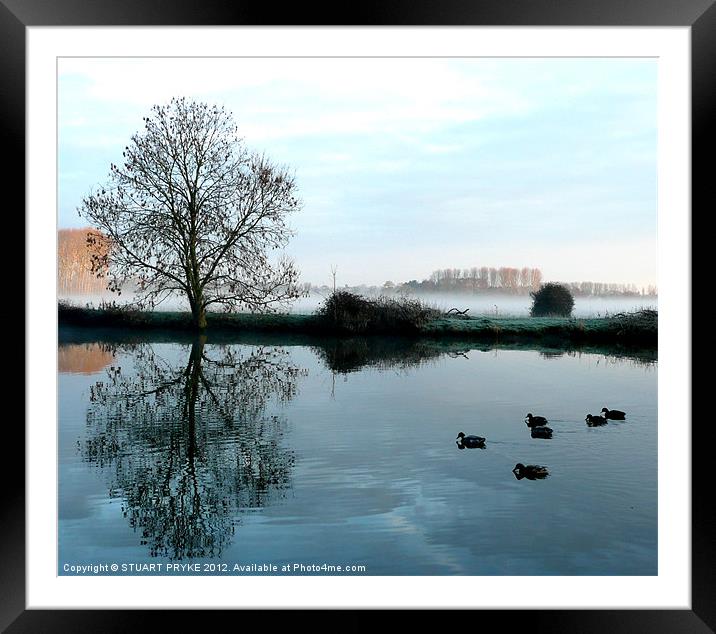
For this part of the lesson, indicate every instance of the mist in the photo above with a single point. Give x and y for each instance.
(487, 305)
(491, 305)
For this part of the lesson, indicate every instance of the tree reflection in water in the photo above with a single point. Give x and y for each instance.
(343, 356)
(189, 447)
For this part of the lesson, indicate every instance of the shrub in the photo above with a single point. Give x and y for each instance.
(354, 313)
(552, 300)
(640, 323)
(107, 313)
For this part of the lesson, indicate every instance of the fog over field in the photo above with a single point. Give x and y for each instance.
(506, 305)
(485, 304)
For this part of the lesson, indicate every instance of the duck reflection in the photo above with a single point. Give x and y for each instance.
(188, 447)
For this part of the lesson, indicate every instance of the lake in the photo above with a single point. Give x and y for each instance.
(243, 454)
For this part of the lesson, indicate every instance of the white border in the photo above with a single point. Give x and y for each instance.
(670, 589)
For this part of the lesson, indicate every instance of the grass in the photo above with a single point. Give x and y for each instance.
(639, 328)
(109, 317)
(625, 327)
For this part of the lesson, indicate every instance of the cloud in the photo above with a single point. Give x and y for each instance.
(406, 165)
(279, 98)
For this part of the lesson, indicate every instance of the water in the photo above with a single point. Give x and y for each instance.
(295, 451)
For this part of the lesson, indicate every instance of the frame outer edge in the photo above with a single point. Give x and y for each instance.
(12, 133)
(703, 191)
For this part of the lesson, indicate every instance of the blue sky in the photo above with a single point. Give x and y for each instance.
(409, 165)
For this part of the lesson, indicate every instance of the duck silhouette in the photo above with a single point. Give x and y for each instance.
(469, 442)
(530, 471)
(541, 432)
(595, 421)
(613, 414)
(535, 421)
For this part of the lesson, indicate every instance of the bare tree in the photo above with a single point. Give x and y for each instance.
(484, 277)
(473, 274)
(509, 278)
(526, 277)
(536, 279)
(192, 211)
(493, 277)
(334, 270)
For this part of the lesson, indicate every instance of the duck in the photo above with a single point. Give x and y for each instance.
(593, 421)
(530, 471)
(613, 414)
(471, 442)
(541, 432)
(535, 421)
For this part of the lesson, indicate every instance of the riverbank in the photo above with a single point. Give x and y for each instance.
(630, 329)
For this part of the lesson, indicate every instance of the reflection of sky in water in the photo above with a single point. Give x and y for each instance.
(378, 480)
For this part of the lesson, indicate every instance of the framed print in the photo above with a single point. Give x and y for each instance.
(319, 307)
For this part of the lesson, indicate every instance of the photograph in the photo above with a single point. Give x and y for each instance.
(349, 315)
(357, 316)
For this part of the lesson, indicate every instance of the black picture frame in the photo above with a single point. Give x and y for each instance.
(699, 15)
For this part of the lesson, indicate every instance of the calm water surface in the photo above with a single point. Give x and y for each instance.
(344, 454)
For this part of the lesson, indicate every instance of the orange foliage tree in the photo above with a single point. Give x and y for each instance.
(74, 263)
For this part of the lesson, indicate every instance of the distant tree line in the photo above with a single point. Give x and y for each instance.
(74, 265)
(493, 280)
(602, 289)
(75, 276)
(482, 278)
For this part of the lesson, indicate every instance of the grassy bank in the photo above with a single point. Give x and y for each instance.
(633, 329)
(639, 328)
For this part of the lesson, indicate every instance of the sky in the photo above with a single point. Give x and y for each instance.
(407, 165)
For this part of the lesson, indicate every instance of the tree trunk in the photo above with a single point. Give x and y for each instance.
(198, 313)
(200, 318)
(191, 392)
